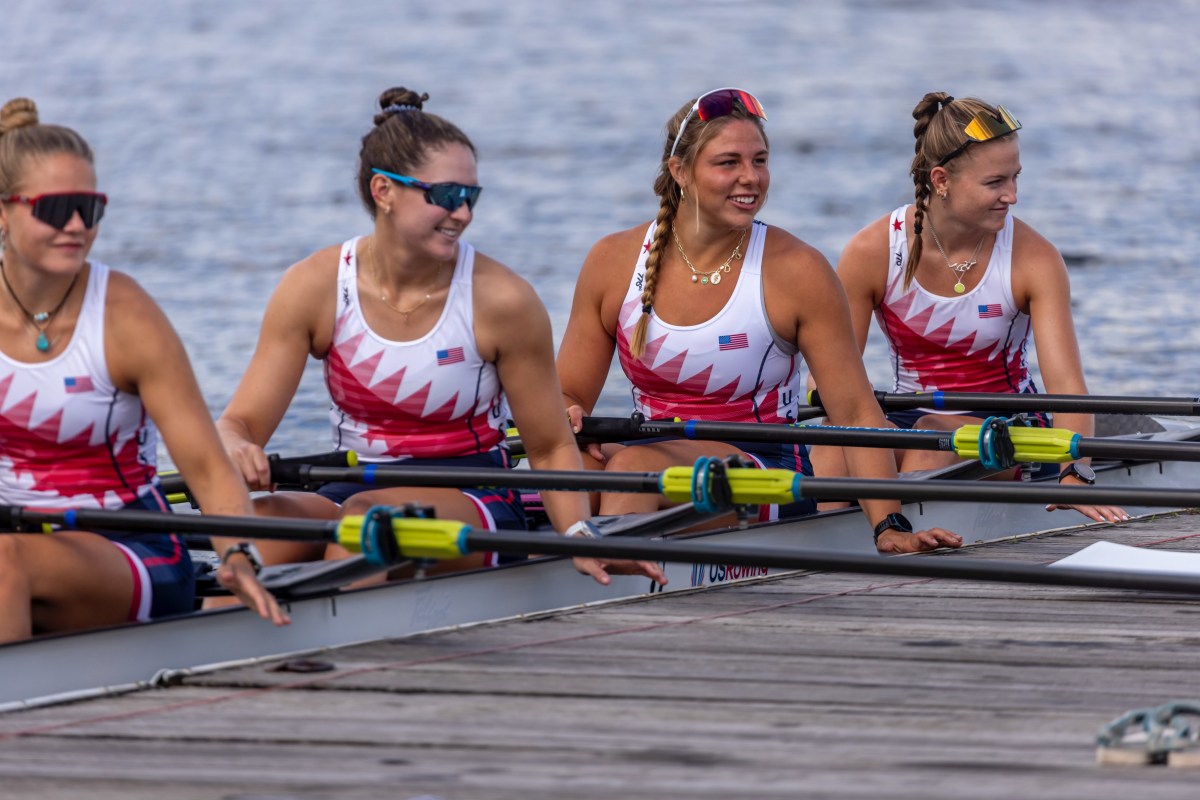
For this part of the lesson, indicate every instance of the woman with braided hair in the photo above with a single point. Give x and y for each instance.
(710, 312)
(957, 284)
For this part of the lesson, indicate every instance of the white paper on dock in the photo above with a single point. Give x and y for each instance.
(1108, 555)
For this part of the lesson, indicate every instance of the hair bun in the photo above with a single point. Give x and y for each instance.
(18, 113)
(398, 100)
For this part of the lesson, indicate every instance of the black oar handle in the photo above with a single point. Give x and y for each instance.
(699, 552)
(285, 472)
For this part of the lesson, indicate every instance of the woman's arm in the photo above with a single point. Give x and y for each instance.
(513, 330)
(1042, 287)
(298, 322)
(586, 351)
(145, 357)
(817, 311)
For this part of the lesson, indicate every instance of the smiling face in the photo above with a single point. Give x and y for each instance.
(429, 230)
(983, 183)
(729, 177)
(31, 242)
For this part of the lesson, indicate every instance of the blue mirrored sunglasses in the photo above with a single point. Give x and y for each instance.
(447, 195)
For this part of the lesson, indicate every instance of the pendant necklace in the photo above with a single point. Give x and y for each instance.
(959, 268)
(713, 277)
(41, 320)
(405, 313)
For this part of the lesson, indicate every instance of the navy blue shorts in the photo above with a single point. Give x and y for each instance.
(499, 509)
(164, 581)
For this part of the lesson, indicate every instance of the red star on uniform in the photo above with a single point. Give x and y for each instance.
(347, 258)
(897, 225)
(646, 247)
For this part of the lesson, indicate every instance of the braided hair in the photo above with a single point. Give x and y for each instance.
(938, 132)
(670, 194)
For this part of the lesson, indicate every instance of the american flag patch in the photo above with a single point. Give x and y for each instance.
(83, 383)
(733, 341)
(451, 356)
(990, 310)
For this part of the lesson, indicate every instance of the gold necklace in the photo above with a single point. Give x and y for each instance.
(713, 277)
(406, 313)
(959, 268)
(42, 319)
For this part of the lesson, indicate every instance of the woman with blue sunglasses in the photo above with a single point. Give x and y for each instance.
(423, 359)
(711, 311)
(959, 286)
(90, 372)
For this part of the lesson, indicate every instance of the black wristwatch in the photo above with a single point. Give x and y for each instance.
(1081, 471)
(897, 522)
(249, 551)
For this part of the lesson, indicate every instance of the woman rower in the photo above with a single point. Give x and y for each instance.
(710, 310)
(89, 367)
(423, 338)
(957, 285)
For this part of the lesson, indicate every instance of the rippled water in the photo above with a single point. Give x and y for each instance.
(227, 134)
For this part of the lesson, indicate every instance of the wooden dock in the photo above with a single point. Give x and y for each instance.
(815, 685)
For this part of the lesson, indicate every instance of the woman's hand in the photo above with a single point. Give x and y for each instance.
(575, 415)
(249, 459)
(894, 541)
(237, 575)
(601, 568)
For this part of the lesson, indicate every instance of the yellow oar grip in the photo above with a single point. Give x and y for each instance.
(417, 538)
(1039, 445)
(752, 486)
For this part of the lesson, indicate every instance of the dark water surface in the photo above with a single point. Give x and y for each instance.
(227, 135)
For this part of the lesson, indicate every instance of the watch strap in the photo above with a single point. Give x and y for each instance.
(897, 522)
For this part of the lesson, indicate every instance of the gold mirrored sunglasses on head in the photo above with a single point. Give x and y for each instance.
(983, 128)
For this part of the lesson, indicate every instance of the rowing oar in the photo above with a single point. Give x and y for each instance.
(386, 539)
(711, 485)
(1020, 403)
(995, 443)
(283, 473)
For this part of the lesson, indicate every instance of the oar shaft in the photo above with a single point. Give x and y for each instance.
(995, 492)
(609, 430)
(19, 518)
(454, 477)
(1015, 403)
(790, 558)
(1137, 449)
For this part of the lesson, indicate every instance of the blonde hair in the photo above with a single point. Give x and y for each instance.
(938, 132)
(23, 138)
(670, 193)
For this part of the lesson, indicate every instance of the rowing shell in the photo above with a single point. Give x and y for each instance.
(63, 667)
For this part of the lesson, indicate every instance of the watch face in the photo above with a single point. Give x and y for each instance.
(1084, 472)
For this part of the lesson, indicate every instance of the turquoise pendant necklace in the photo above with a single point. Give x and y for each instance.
(40, 320)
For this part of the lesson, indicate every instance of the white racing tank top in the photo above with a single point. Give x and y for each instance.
(68, 437)
(973, 342)
(432, 397)
(730, 368)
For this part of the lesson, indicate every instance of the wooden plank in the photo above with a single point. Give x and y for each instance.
(829, 684)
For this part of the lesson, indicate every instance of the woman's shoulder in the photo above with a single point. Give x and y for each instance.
(782, 248)
(621, 243)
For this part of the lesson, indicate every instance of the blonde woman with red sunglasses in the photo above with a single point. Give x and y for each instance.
(710, 312)
(958, 285)
(90, 371)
